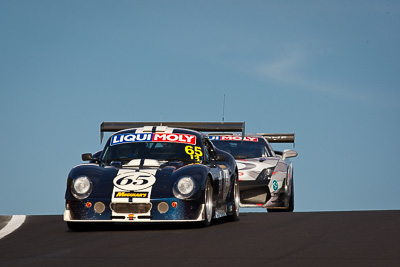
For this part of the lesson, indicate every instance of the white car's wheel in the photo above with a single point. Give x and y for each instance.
(291, 198)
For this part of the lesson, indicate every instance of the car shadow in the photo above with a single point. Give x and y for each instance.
(153, 226)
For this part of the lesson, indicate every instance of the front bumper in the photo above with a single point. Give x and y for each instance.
(161, 210)
(258, 194)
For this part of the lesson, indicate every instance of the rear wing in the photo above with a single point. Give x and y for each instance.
(278, 138)
(197, 126)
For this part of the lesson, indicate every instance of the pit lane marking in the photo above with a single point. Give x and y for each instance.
(15, 222)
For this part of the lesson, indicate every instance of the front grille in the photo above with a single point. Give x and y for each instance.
(131, 207)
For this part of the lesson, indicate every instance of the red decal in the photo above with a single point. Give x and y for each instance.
(175, 138)
(238, 138)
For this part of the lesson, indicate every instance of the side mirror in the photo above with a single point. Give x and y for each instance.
(288, 153)
(87, 156)
(220, 157)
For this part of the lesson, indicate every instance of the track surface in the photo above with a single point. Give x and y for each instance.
(363, 238)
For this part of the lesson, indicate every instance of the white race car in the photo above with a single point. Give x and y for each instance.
(265, 175)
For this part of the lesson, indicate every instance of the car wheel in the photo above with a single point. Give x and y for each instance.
(236, 202)
(291, 199)
(208, 203)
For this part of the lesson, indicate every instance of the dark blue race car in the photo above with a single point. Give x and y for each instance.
(152, 174)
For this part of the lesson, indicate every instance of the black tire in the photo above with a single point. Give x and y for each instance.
(236, 202)
(291, 199)
(208, 203)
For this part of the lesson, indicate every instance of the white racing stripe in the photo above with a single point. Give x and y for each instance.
(15, 222)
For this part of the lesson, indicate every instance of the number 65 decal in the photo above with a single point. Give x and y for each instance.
(132, 181)
(194, 153)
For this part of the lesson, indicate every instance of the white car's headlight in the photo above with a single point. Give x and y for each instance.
(269, 171)
(265, 174)
(184, 187)
(81, 187)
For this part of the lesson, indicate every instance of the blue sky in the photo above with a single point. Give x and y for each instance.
(326, 70)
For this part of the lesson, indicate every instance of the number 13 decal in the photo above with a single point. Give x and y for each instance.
(194, 152)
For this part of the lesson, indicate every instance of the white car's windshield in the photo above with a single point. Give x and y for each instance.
(243, 149)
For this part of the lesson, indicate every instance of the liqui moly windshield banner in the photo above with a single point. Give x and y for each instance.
(232, 138)
(153, 137)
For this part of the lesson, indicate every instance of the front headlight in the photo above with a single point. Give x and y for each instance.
(269, 171)
(184, 187)
(265, 174)
(81, 187)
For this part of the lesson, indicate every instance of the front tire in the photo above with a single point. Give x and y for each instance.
(208, 203)
(236, 202)
(291, 199)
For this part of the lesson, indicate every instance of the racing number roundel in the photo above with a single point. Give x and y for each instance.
(132, 181)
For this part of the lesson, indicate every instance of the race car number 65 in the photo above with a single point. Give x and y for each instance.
(134, 181)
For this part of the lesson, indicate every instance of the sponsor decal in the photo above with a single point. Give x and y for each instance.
(275, 185)
(130, 194)
(233, 138)
(153, 137)
(133, 181)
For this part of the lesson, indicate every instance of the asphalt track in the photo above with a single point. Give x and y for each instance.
(362, 238)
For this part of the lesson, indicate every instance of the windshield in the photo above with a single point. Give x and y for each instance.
(244, 149)
(126, 147)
